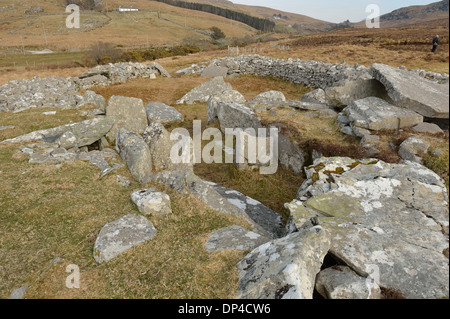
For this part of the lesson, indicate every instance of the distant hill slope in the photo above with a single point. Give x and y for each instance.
(292, 21)
(47, 28)
(413, 15)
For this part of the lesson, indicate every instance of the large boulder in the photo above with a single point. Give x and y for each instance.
(391, 219)
(284, 268)
(376, 114)
(315, 96)
(120, 235)
(350, 91)
(234, 115)
(162, 113)
(128, 113)
(160, 145)
(135, 152)
(408, 90)
(205, 91)
(77, 134)
(226, 96)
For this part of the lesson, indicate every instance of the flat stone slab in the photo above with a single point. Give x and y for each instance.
(234, 237)
(427, 128)
(121, 235)
(162, 113)
(270, 96)
(408, 90)
(205, 91)
(215, 71)
(376, 114)
(260, 214)
(85, 132)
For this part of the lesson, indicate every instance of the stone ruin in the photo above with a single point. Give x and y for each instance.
(383, 226)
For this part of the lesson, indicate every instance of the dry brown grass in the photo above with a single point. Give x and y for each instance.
(49, 212)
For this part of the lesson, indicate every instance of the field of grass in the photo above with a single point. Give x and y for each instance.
(49, 211)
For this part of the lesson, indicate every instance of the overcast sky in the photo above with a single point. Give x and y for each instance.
(333, 10)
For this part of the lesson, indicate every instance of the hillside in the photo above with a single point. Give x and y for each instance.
(47, 29)
(287, 21)
(413, 15)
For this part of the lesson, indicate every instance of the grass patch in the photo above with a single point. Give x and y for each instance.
(49, 212)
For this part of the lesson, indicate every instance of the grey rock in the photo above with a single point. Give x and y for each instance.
(340, 282)
(234, 237)
(135, 152)
(256, 212)
(392, 218)
(160, 69)
(205, 91)
(226, 96)
(315, 96)
(327, 114)
(86, 132)
(160, 146)
(412, 147)
(128, 113)
(215, 71)
(152, 202)
(350, 91)
(302, 105)
(413, 92)
(233, 115)
(270, 96)
(284, 268)
(264, 221)
(376, 114)
(162, 113)
(427, 128)
(67, 140)
(96, 158)
(6, 127)
(96, 100)
(120, 235)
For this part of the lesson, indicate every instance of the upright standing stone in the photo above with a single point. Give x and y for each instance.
(129, 113)
(135, 152)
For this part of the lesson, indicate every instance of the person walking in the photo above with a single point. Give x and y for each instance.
(435, 43)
